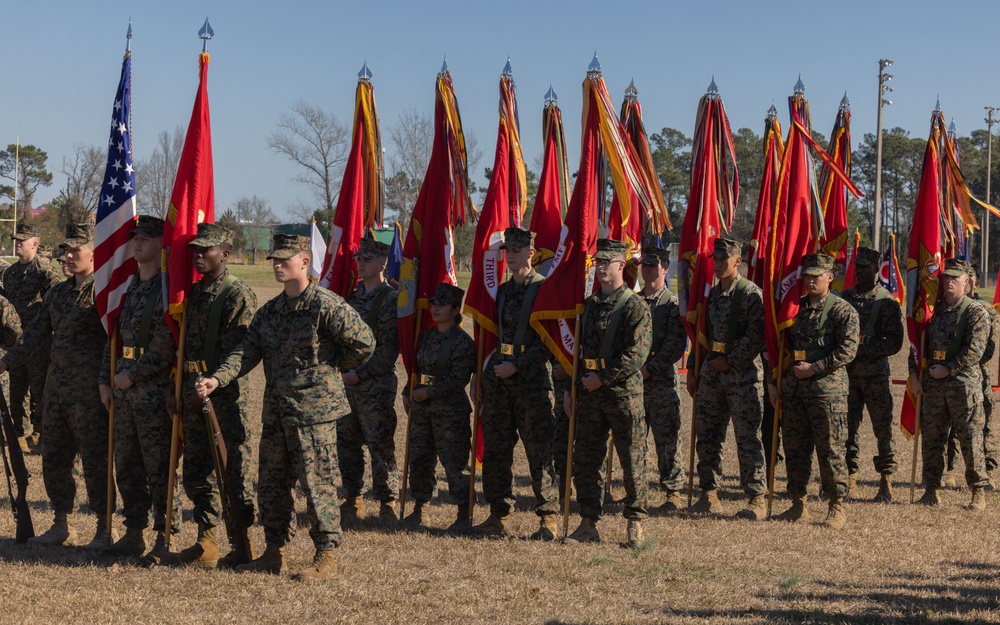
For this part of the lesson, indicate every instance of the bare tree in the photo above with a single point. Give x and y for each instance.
(255, 215)
(84, 173)
(156, 175)
(318, 143)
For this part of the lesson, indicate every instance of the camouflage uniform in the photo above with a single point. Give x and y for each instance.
(24, 285)
(518, 405)
(74, 419)
(304, 343)
(615, 407)
(439, 426)
(815, 408)
(659, 391)
(230, 402)
(372, 420)
(956, 401)
(10, 331)
(734, 394)
(868, 376)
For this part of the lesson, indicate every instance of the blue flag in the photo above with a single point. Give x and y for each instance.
(395, 261)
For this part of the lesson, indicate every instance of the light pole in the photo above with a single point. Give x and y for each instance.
(883, 89)
(989, 174)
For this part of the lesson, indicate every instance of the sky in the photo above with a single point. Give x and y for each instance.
(63, 61)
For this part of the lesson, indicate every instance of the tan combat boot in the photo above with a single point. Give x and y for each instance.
(323, 566)
(586, 532)
(930, 497)
(159, 554)
(884, 494)
(416, 518)
(463, 522)
(948, 480)
(62, 532)
(23, 444)
(229, 562)
(103, 539)
(756, 509)
(672, 503)
(978, 503)
(271, 561)
(798, 513)
(352, 510)
(132, 544)
(387, 512)
(635, 534)
(708, 503)
(495, 526)
(547, 528)
(852, 486)
(836, 518)
(204, 553)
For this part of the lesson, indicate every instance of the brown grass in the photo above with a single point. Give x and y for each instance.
(894, 563)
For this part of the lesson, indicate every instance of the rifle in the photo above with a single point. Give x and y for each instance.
(230, 494)
(14, 466)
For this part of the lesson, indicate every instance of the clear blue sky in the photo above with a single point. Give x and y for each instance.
(62, 61)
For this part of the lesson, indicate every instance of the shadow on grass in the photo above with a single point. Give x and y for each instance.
(67, 557)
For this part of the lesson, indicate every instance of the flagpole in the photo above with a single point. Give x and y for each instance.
(609, 468)
(409, 419)
(174, 430)
(568, 488)
(110, 511)
(773, 461)
(916, 420)
(694, 414)
(475, 421)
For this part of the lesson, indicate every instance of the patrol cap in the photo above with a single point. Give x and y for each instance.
(515, 238)
(653, 255)
(77, 235)
(45, 252)
(370, 248)
(284, 246)
(817, 264)
(611, 249)
(973, 271)
(61, 256)
(867, 256)
(447, 295)
(726, 248)
(955, 267)
(25, 231)
(210, 235)
(147, 226)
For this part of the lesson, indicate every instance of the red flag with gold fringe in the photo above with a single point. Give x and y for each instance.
(553, 193)
(774, 148)
(833, 201)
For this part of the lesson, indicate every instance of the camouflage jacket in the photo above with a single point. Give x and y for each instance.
(631, 344)
(447, 394)
(304, 342)
(10, 326)
(662, 357)
(69, 316)
(842, 324)
(887, 337)
(237, 312)
(24, 285)
(533, 369)
(150, 372)
(941, 331)
(991, 344)
(749, 342)
(379, 373)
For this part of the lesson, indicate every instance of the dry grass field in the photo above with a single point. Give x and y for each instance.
(895, 563)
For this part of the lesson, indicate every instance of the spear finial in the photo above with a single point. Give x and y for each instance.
(508, 71)
(550, 96)
(444, 66)
(365, 74)
(713, 89)
(845, 102)
(631, 93)
(595, 66)
(952, 129)
(799, 86)
(205, 34)
(772, 113)
(937, 106)
(128, 36)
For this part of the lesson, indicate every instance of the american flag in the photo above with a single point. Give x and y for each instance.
(113, 262)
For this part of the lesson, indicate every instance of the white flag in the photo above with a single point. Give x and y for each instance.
(318, 253)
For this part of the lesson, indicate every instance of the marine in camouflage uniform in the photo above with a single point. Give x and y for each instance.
(74, 419)
(729, 384)
(205, 346)
(439, 427)
(615, 343)
(659, 385)
(142, 381)
(881, 336)
(371, 392)
(823, 340)
(24, 285)
(305, 337)
(951, 385)
(517, 399)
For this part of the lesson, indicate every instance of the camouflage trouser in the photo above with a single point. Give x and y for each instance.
(447, 437)
(599, 413)
(372, 422)
(871, 391)
(142, 462)
(27, 388)
(75, 423)
(200, 483)
(718, 403)
(991, 444)
(663, 418)
(509, 411)
(949, 406)
(560, 441)
(813, 417)
(767, 435)
(307, 454)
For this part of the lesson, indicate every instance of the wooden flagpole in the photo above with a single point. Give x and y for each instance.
(175, 421)
(694, 413)
(110, 511)
(567, 487)
(773, 460)
(916, 424)
(409, 419)
(477, 388)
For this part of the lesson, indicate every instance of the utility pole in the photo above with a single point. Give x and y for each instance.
(985, 264)
(883, 89)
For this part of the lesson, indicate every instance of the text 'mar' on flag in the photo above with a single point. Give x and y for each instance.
(113, 262)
